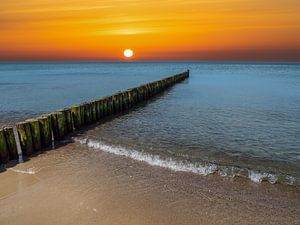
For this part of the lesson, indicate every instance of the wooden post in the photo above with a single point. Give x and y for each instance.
(35, 134)
(69, 126)
(130, 99)
(4, 154)
(104, 103)
(24, 132)
(101, 109)
(45, 128)
(109, 105)
(98, 110)
(76, 117)
(11, 143)
(87, 113)
(61, 125)
(93, 108)
(54, 126)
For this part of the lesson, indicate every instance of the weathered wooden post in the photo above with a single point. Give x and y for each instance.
(109, 105)
(105, 110)
(35, 134)
(101, 109)
(125, 100)
(69, 120)
(120, 101)
(11, 143)
(98, 110)
(24, 132)
(93, 107)
(87, 113)
(4, 154)
(140, 94)
(115, 108)
(61, 125)
(54, 125)
(134, 95)
(130, 100)
(76, 117)
(45, 128)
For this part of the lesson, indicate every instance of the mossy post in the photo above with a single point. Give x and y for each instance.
(129, 97)
(120, 101)
(68, 120)
(54, 125)
(35, 134)
(151, 89)
(109, 105)
(87, 113)
(145, 92)
(125, 100)
(24, 132)
(104, 107)
(11, 143)
(45, 129)
(116, 103)
(82, 113)
(134, 95)
(76, 117)
(93, 107)
(149, 94)
(61, 125)
(98, 110)
(4, 154)
(139, 95)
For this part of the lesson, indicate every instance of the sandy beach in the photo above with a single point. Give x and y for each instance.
(77, 185)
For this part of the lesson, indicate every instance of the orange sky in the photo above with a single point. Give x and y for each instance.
(186, 30)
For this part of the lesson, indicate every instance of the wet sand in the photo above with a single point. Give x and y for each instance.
(77, 185)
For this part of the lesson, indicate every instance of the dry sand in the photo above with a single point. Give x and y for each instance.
(75, 185)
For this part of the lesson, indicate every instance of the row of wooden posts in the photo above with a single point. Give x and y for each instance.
(34, 135)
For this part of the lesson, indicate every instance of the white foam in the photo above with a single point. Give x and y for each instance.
(31, 170)
(153, 160)
(258, 177)
(197, 168)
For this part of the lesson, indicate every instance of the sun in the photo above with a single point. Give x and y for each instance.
(128, 53)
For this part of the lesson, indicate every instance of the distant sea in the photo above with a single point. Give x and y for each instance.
(233, 119)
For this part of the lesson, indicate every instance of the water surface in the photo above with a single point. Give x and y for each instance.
(227, 118)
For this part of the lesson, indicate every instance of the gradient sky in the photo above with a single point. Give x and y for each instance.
(186, 30)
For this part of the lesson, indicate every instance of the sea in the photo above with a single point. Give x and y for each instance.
(230, 119)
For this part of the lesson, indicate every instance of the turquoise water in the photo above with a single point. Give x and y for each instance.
(227, 118)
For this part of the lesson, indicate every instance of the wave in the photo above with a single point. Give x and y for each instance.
(183, 166)
(30, 171)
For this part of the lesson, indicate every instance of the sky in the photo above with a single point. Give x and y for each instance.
(156, 30)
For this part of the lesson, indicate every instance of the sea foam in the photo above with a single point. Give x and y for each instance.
(197, 168)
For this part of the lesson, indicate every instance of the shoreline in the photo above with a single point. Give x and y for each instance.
(203, 168)
(76, 185)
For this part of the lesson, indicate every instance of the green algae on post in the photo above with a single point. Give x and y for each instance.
(25, 138)
(11, 143)
(35, 134)
(76, 115)
(4, 155)
(68, 120)
(61, 125)
(93, 111)
(54, 125)
(45, 129)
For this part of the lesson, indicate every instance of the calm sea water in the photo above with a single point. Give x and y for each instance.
(231, 119)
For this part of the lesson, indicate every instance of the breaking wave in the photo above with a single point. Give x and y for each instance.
(197, 168)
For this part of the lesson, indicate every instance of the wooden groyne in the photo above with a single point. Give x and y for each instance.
(37, 134)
